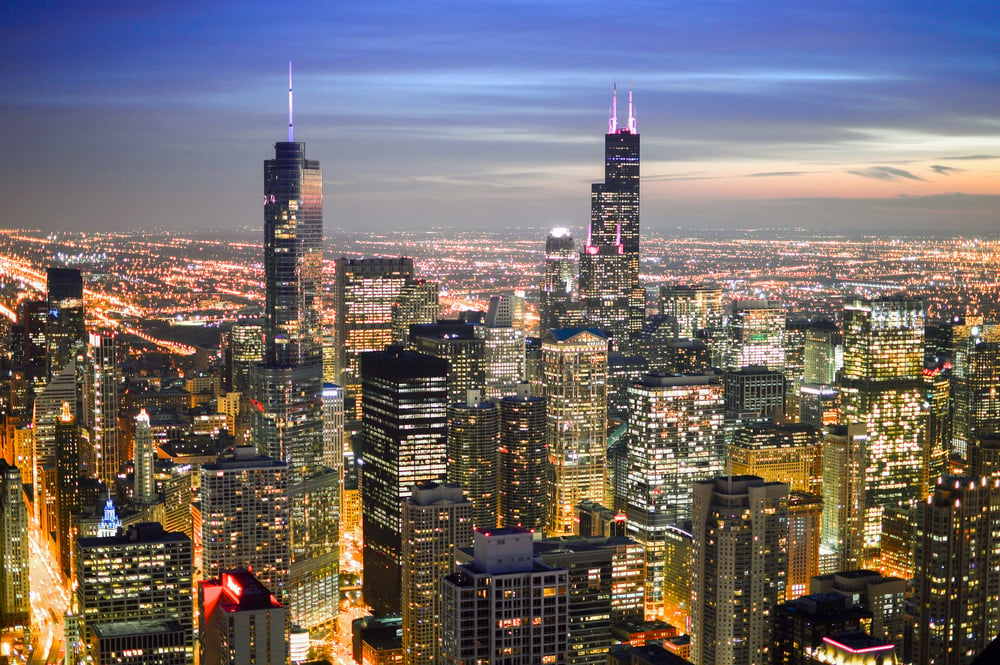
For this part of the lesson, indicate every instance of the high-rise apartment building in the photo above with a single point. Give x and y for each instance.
(756, 335)
(957, 570)
(240, 622)
(609, 262)
(675, 438)
(101, 387)
(694, 308)
(67, 434)
(524, 461)
(15, 607)
(288, 384)
(143, 574)
(559, 284)
(364, 294)
(882, 387)
(505, 605)
(404, 429)
(740, 527)
(244, 517)
(574, 370)
(474, 455)
(437, 520)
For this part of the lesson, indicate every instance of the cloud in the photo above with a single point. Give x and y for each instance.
(888, 173)
(770, 174)
(690, 175)
(953, 158)
(944, 170)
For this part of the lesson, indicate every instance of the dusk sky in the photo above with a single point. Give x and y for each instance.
(842, 116)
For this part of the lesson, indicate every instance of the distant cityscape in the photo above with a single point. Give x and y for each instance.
(587, 445)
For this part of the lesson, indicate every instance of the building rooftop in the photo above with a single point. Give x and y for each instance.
(125, 628)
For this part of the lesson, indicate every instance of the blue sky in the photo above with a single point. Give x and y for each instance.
(841, 116)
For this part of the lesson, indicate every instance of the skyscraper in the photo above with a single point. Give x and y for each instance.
(437, 520)
(975, 379)
(245, 349)
(67, 435)
(244, 517)
(64, 330)
(145, 455)
(609, 262)
(460, 344)
(504, 352)
(757, 335)
(606, 587)
(417, 303)
(695, 308)
(884, 597)
(740, 528)
(505, 605)
(957, 570)
(575, 374)
(882, 387)
(365, 293)
(288, 413)
(48, 408)
(15, 598)
(474, 455)
(524, 461)
(404, 428)
(559, 284)
(675, 437)
(141, 575)
(845, 459)
(240, 621)
(102, 380)
(790, 454)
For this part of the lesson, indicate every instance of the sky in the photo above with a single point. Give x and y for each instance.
(836, 116)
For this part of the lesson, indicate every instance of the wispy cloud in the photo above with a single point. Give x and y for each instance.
(888, 173)
(957, 157)
(941, 169)
(776, 174)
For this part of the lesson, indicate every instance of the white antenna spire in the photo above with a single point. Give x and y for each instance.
(631, 111)
(613, 119)
(291, 127)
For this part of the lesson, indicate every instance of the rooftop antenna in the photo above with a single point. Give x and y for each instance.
(291, 127)
(631, 112)
(613, 119)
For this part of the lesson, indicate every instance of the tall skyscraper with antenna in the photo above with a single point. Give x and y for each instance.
(288, 385)
(609, 262)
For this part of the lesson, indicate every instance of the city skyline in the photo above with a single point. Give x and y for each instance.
(804, 116)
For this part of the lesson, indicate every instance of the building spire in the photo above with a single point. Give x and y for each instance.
(613, 116)
(291, 127)
(631, 112)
